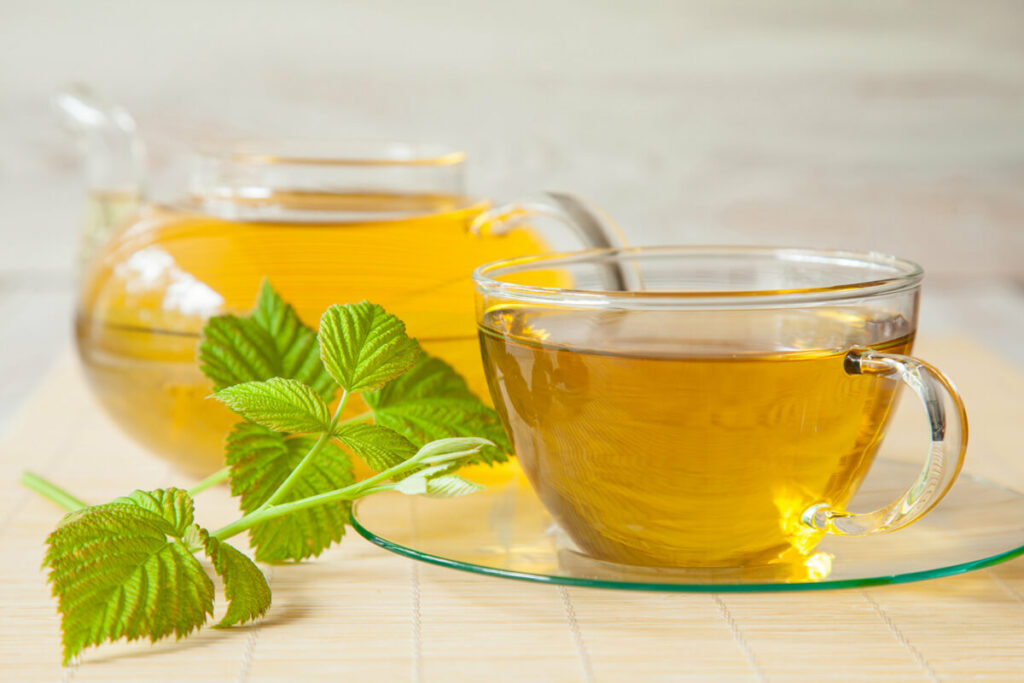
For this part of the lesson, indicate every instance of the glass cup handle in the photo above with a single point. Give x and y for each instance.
(947, 419)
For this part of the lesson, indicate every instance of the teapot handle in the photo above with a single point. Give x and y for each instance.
(593, 227)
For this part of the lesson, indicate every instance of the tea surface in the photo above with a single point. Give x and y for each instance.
(150, 290)
(689, 439)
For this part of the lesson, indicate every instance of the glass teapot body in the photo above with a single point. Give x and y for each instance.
(147, 291)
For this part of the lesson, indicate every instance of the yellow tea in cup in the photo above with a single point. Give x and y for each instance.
(708, 447)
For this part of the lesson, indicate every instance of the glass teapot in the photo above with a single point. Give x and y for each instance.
(325, 224)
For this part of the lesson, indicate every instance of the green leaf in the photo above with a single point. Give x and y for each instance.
(245, 587)
(271, 342)
(379, 447)
(123, 570)
(441, 458)
(260, 461)
(450, 486)
(436, 482)
(235, 350)
(415, 484)
(432, 401)
(174, 505)
(364, 347)
(459, 450)
(295, 343)
(285, 405)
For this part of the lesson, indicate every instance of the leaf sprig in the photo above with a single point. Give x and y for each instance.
(129, 568)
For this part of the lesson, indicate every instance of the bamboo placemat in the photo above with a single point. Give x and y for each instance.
(360, 613)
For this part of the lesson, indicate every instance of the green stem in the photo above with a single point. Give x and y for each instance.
(289, 482)
(357, 418)
(212, 480)
(358, 490)
(263, 514)
(52, 491)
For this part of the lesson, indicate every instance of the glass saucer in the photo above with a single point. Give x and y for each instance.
(504, 531)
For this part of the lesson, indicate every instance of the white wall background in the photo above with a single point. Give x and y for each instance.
(895, 126)
(890, 125)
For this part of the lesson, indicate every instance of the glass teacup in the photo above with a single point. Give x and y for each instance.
(714, 406)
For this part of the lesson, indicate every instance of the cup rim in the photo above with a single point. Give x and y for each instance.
(908, 275)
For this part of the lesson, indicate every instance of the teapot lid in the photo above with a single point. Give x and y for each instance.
(270, 179)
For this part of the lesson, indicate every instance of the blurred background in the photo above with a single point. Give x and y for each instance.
(895, 127)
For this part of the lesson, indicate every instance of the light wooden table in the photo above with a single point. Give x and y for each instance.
(362, 614)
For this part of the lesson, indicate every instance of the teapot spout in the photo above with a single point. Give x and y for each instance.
(114, 162)
(113, 151)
